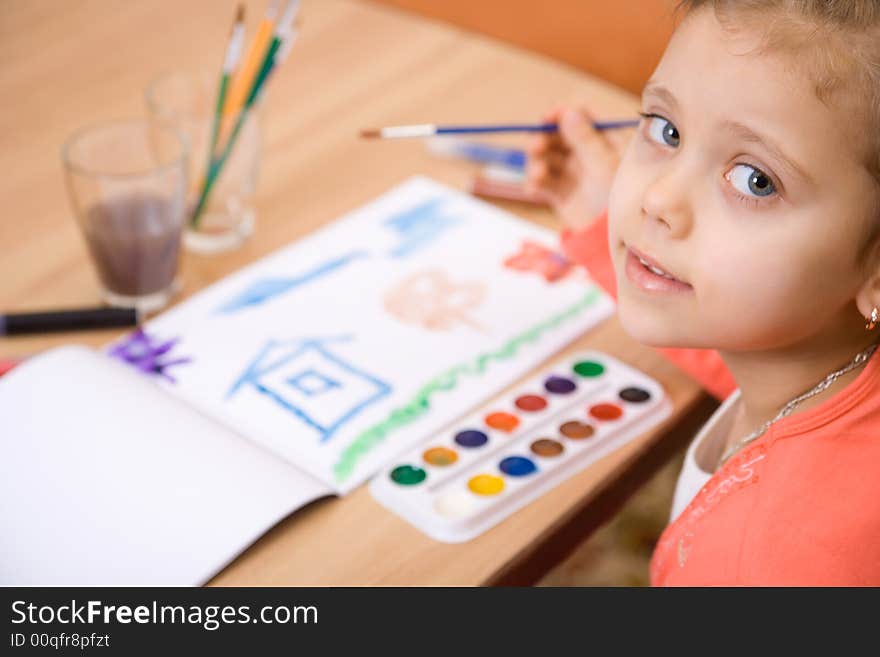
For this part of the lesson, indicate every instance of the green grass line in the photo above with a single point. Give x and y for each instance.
(449, 380)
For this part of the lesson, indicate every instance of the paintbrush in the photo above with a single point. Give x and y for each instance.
(230, 64)
(431, 130)
(275, 53)
(244, 77)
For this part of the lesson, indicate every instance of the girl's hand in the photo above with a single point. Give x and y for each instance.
(573, 168)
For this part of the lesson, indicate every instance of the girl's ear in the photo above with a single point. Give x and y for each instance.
(868, 297)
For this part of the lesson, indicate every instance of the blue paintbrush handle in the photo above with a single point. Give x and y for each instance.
(614, 125)
(539, 127)
(463, 130)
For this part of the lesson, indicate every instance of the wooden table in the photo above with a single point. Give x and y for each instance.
(67, 64)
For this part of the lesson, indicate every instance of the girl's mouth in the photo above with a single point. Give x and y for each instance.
(647, 274)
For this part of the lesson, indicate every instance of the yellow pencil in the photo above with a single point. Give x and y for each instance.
(244, 77)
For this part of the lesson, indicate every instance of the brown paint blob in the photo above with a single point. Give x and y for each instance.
(576, 430)
(547, 448)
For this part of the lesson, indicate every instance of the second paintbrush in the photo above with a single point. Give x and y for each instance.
(431, 130)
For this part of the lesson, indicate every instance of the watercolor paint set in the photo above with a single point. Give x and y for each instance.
(507, 453)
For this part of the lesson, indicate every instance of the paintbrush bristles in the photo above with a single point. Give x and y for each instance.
(239, 14)
(370, 134)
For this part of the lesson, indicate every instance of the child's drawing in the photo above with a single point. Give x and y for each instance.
(431, 300)
(537, 258)
(414, 229)
(148, 354)
(434, 320)
(302, 377)
(420, 225)
(264, 289)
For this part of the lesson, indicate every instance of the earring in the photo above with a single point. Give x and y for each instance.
(873, 321)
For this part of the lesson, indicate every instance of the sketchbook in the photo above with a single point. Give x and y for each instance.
(161, 457)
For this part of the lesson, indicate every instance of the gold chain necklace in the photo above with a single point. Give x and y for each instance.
(859, 359)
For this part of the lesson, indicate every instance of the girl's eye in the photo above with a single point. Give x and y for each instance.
(750, 181)
(662, 131)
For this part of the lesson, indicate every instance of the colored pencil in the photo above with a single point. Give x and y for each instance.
(283, 32)
(431, 130)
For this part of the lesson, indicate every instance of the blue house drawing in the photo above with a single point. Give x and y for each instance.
(302, 377)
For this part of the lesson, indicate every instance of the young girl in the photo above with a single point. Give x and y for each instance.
(743, 222)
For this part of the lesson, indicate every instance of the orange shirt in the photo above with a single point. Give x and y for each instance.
(800, 506)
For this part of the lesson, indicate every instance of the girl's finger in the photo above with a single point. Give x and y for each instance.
(557, 161)
(553, 115)
(576, 129)
(537, 173)
(537, 145)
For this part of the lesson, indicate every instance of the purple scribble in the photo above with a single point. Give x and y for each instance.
(146, 354)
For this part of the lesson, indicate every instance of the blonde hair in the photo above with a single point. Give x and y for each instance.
(843, 40)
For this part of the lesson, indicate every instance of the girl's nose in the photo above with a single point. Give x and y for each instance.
(667, 200)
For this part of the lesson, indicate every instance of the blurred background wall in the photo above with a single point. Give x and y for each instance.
(617, 40)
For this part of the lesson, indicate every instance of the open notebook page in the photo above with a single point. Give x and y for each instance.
(106, 479)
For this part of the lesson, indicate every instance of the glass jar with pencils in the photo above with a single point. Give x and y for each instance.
(224, 146)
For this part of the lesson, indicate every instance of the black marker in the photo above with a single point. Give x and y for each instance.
(67, 320)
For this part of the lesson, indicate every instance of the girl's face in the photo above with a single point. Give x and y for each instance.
(746, 188)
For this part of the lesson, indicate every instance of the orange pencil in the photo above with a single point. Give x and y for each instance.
(244, 77)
